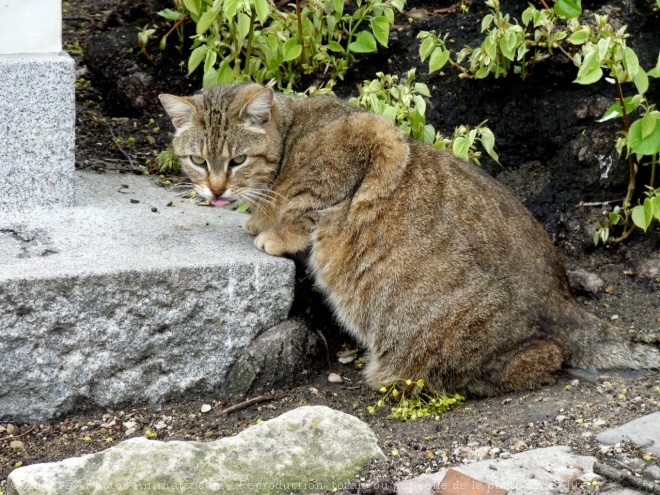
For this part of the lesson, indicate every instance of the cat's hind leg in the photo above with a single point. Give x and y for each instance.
(528, 366)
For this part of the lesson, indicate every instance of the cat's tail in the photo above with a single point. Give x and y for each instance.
(598, 345)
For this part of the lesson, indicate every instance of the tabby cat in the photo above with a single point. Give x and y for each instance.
(430, 263)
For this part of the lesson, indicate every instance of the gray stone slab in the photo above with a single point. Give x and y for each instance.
(108, 302)
(644, 432)
(37, 130)
(308, 450)
(549, 471)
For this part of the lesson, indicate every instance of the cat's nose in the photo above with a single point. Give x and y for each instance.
(218, 192)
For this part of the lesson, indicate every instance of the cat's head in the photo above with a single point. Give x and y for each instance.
(227, 140)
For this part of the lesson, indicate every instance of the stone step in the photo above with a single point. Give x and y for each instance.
(123, 299)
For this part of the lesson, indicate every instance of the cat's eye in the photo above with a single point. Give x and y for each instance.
(237, 160)
(198, 160)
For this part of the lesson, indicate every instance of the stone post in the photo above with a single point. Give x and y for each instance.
(37, 107)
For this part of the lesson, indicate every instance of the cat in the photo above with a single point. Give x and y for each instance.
(427, 261)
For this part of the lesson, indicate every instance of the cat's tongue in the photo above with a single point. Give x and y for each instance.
(219, 202)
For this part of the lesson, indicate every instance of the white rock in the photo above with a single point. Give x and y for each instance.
(206, 408)
(129, 424)
(161, 425)
(308, 443)
(335, 378)
(130, 431)
(561, 418)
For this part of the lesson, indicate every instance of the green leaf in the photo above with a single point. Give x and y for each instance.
(489, 45)
(590, 71)
(205, 21)
(656, 207)
(364, 43)
(170, 14)
(579, 37)
(225, 74)
(291, 50)
(615, 110)
(230, 7)
(389, 14)
(262, 8)
(196, 58)
(488, 142)
(641, 81)
(438, 59)
(569, 9)
(639, 144)
(334, 46)
(243, 24)
(429, 134)
(193, 6)
(615, 218)
(422, 89)
(642, 215)
(648, 124)
(338, 6)
(210, 59)
(210, 78)
(381, 29)
(486, 22)
(482, 73)
(460, 147)
(528, 15)
(426, 48)
(630, 61)
(243, 207)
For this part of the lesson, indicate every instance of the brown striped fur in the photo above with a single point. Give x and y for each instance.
(431, 264)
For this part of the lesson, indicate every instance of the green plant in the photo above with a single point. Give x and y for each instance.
(179, 15)
(414, 400)
(597, 50)
(403, 104)
(605, 50)
(239, 40)
(167, 161)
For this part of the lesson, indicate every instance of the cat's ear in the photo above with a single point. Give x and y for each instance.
(180, 109)
(258, 106)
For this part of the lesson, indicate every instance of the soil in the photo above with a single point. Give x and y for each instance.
(551, 148)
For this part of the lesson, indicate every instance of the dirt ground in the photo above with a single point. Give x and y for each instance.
(549, 145)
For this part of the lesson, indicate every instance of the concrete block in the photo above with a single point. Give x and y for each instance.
(109, 302)
(37, 130)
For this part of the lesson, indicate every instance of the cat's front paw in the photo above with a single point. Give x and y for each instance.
(251, 226)
(271, 242)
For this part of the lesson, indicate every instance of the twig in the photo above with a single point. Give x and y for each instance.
(77, 18)
(14, 437)
(247, 403)
(327, 347)
(599, 203)
(624, 236)
(114, 139)
(625, 478)
(176, 25)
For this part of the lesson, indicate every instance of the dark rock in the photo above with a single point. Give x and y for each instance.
(275, 359)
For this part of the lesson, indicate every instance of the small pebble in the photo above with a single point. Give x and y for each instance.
(135, 201)
(130, 431)
(11, 429)
(614, 317)
(335, 378)
(154, 209)
(206, 408)
(17, 445)
(130, 424)
(609, 289)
